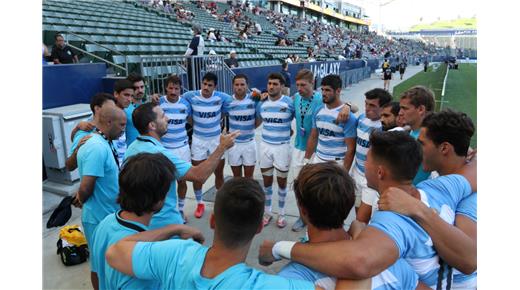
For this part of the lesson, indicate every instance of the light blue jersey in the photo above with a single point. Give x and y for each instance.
(177, 264)
(95, 158)
(169, 214)
(468, 208)
(109, 231)
(77, 137)
(398, 276)
(305, 108)
(130, 132)
(177, 113)
(413, 243)
(207, 112)
(365, 127)
(242, 117)
(331, 136)
(276, 117)
(421, 174)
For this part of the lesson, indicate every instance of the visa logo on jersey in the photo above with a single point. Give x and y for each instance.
(243, 118)
(326, 132)
(175, 122)
(207, 114)
(363, 143)
(273, 120)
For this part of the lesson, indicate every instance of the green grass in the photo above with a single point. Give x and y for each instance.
(431, 79)
(463, 23)
(460, 93)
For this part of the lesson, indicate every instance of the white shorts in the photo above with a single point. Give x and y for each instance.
(363, 192)
(201, 149)
(317, 159)
(183, 153)
(242, 154)
(278, 156)
(297, 161)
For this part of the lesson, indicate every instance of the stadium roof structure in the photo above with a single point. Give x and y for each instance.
(324, 11)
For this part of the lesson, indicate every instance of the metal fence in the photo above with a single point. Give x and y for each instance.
(191, 69)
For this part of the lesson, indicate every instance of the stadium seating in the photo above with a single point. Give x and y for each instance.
(114, 29)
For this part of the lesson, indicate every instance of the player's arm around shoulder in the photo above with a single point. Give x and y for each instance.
(122, 255)
(371, 253)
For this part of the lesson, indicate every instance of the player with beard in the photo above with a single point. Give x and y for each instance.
(335, 142)
(277, 113)
(178, 111)
(243, 117)
(138, 98)
(152, 123)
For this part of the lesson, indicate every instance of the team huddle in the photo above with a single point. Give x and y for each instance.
(406, 171)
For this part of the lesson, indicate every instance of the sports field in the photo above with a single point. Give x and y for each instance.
(460, 93)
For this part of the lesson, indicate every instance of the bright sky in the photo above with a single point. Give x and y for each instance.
(402, 14)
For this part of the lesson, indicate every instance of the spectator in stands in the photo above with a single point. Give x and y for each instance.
(242, 35)
(232, 61)
(195, 48)
(62, 53)
(287, 76)
(288, 59)
(258, 28)
(211, 35)
(310, 56)
(45, 54)
(282, 42)
(218, 36)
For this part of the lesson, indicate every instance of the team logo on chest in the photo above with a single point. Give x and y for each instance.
(207, 114)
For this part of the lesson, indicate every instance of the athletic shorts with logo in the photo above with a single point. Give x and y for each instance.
(201, 149)
(242, 153)
(278, 155)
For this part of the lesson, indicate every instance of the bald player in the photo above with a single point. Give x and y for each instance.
(98, 169)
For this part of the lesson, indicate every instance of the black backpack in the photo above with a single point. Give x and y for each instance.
(72, 246)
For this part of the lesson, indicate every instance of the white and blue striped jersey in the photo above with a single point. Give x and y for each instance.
(120, 145)
(276, 117)
(242, 117)
(177, 114)
(365, 127)
(331, 136)
(413, 243)
(468, 208)
(207, 112)
(398, 276)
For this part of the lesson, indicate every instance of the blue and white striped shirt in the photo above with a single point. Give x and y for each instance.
(364, 128)
(120, 145)
(277, 117)
(468, 208)
(331, 136)
(177, 114)
(242, 117)
(207, 112)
